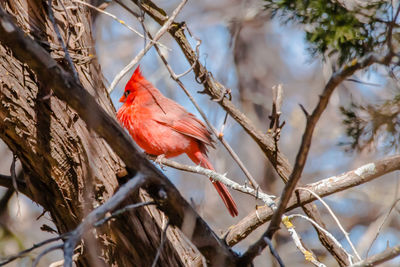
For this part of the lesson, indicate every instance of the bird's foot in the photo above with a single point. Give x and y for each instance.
(159, 160)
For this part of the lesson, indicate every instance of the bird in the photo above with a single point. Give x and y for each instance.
(163, 128)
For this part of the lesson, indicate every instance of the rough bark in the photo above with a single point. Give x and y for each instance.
(68, 169)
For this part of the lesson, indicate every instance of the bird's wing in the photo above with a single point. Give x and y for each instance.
(178, 119)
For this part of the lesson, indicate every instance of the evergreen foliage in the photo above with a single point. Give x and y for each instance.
(346, 30)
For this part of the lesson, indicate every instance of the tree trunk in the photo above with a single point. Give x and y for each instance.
(68, 169)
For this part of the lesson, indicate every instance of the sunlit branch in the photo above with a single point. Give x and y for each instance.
(267, 199)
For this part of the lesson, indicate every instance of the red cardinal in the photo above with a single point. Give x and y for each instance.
(163, 127)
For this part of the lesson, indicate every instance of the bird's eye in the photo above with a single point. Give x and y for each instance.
(126, 93)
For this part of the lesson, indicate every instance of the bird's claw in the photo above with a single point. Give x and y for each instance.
(159, 159)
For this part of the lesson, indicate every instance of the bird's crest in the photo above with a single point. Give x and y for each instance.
(136, 77)
(137, 74)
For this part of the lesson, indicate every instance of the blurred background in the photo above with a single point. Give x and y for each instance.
(248, 52)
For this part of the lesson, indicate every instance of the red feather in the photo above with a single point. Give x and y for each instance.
(161, 126)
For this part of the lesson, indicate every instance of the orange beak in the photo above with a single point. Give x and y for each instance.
(122, 99)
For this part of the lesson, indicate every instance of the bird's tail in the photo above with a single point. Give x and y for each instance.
(200, 158)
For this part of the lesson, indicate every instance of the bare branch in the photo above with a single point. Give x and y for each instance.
(163, 238)
(308, 255)
(345, 233)
(267, 199)
(44, 252)
(274, 252)
(321, 229)
(388, 254)
(26, 251)
(119, 21)
(322, 188)
(13, 174)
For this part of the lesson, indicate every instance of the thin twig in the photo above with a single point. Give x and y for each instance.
(13, 173)
(60, 39)
(346, 234)
(160, 247)
(139, 56)
(388, 254)
(119, 21)
(308, 255)
(274, 252)
(381, 225)
(123, 210)
(46, 251)
(35, 246)
(349, 256)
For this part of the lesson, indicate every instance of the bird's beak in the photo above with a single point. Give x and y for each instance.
(122, 99)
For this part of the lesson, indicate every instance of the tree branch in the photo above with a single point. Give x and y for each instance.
(388, 254)
(322, 188)
(26, 251)
(267, 199)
